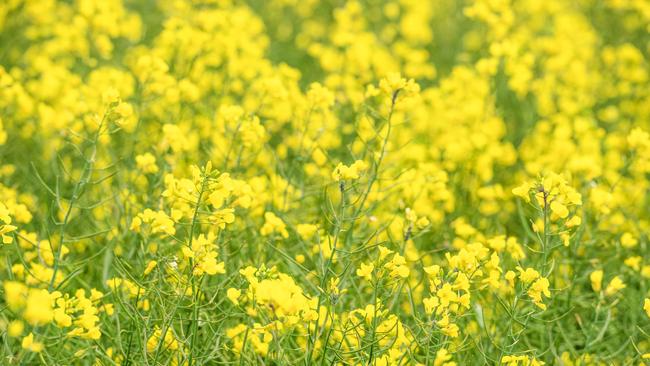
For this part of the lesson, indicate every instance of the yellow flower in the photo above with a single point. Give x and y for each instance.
(319, 96)
(447, 327)
(596, 278)
(512, 360)
(523, 191)
(38, 307)
(233, 295)
(628, 240)
(638, 139)
(15, 328)
(510, 277)
(306, 231)
(158, 221)
(146, 163)
(528, 275)
(442, 356)
(365, 271)
(352, 172)
(401, 271)
(273, 224)
(537, 289)
(432, 270)
(394, 84)
(150, 267)
(614, 286)
(574, 221)
(204, 256)
(430, 304)
(5, 227)
(15, 294)
(384, 252)
(397, 267)
(29, 344)
(61, 318)
(559, 209)
(283, 297)
(633, 262)
(222, 217)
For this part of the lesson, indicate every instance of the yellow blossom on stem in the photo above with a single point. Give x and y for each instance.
(365, 271)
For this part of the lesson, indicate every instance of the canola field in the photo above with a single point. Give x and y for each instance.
(306, 182)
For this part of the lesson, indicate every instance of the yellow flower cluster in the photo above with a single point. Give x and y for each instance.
(6, 227)
(352, 172)
(77, 315)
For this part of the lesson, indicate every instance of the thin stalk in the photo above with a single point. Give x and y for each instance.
(76, 194)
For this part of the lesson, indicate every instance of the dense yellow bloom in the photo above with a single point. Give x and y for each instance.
(159, 222)
(38, 307)
(202, 252)
(278, 296)
(385, 182)
(319, 96)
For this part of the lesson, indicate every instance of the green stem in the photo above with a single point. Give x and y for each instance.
(76, 194)
(196, 287)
